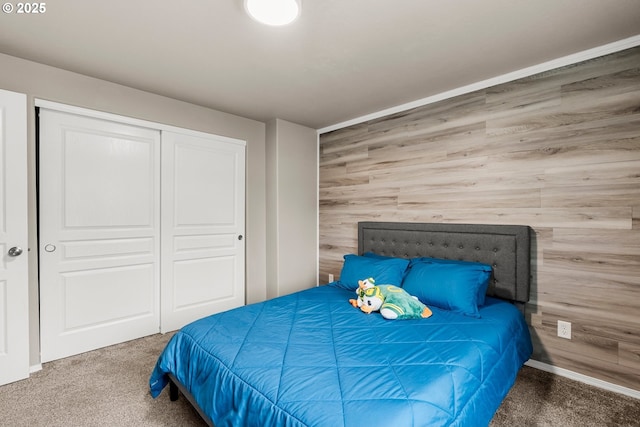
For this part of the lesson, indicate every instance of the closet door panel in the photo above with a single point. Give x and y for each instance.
(88, 291)
(99, 192)
(203, 181)
(204, 185)
(189, 274)
(100, 168)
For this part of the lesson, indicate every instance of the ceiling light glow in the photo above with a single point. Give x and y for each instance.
(273, 12)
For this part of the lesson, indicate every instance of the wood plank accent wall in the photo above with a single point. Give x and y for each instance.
(558, 151)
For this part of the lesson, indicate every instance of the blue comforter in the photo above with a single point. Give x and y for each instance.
(311, 359)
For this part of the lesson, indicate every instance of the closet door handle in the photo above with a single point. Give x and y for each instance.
(240, 237)
(15, 251)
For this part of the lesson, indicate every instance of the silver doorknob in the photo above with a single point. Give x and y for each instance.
(15, 251)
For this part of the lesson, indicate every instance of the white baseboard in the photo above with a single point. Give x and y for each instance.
(35, 368)
(583, 378)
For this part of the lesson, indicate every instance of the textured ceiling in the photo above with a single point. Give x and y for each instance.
(342, 59)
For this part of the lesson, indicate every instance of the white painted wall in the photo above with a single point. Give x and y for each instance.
(292, 206)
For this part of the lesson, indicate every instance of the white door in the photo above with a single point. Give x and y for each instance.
(99, 225)
(203, 206)
(14, 294)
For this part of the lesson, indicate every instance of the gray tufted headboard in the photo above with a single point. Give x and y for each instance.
(505, 247)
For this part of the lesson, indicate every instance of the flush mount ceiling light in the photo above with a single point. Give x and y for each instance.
(273, 12)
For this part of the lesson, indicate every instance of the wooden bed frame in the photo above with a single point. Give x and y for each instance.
(505, 247)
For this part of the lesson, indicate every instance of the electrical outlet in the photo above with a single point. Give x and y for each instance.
(330, 277)
(564, 329)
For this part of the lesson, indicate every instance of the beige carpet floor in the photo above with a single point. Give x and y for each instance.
(109, 387)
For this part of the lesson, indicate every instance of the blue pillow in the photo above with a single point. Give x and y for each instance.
(450, 286)
(378, 256)
(385, 271)
(482, 267)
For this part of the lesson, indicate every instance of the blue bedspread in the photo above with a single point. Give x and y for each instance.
(311, 359)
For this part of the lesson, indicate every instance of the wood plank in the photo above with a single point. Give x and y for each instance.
(608, 241)
(588, 323)
(557, 353)
(630, 355)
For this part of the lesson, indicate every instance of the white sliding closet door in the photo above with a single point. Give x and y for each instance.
(203, 202)
(14, 294)
(99, 214)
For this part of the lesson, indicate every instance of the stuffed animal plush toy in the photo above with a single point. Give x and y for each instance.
(393, 303)
(362, 286)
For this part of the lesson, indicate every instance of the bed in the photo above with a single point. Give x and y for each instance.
(311, 359)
